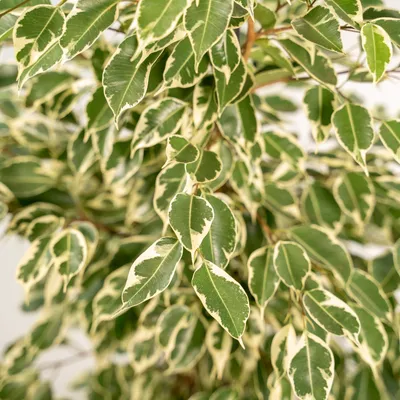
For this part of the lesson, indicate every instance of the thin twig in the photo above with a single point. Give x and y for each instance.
(68, 360)
(14, 8)
(251, 38)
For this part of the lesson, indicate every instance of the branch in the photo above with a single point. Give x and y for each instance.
(14, 8)
(68, 360)
(251, 38)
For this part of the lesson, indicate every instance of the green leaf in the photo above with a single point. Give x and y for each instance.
(219, 345)
(285, 148)
(87, 20)
(363, 386)
(180, 69)
(353, 126)
(263, 278)
(151, 273)
(190, 217)
(355, 195)
(223, 298)
(368, 293)
(390, 136)
(171, 181)
(228, 92)
(205, 108)
(323, 248)
(99, 113)
(225, 393)
(181, 150)
(48, 331)
(157, 19)
(43, 226)
(383, 270)
(35, 263)
(26, 176)
(320, 207)
(247, 5)
(281, 200)
(206, 22)
(378, 48)
(125, 80)
(220, 242)
(318, 66)
(331, 313)
(69, 253)
(350, 11)
(396, 256)
(311, 369)
(319, 104)
(321, 27)
(226, 158)
(282, 348)
(206, 168)
(292, 264)
(391, 27)
(226, 54)
(373, 340)
(160, 120)
(239, 124)
(264, 16)
(7, 23)
(36, 33)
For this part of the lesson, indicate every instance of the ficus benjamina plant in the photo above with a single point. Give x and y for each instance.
(180, 217)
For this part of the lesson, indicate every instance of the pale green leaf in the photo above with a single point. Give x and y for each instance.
(391, 26)
(311, 369)
(292, 264)
(321, 27)
(353, 126)
(378, 48)
(281, 200)
(223, 298)
(7, 23)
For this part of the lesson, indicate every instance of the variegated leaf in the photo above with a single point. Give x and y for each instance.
(291, 264)
(311, 369)
(151, 273)
(263, 278)
(220, 242)
(205, 22)
(206, 168)
(190, 217)
(87, 20)
(223, 298)
(282, 349)
(181, 150)
(69, 253)
(331, 313)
